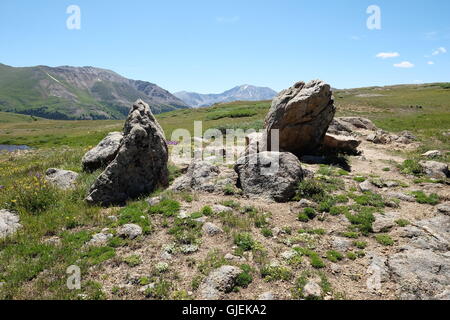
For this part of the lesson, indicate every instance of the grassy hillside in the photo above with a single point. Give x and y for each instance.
(422, 109)
(68, 93)
(8, 117)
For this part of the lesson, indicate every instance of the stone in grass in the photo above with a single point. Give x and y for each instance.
(130, 231)
(62, 179)
(9, 223)
(211, 229)
(218, 208)
(219, 282)
(312, 290)
(432, 154)
(367, 186)
(99, 239)
(401, 196)
(341, 244)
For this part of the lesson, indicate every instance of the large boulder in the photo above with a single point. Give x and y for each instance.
(302, 114)
(9, 223)
(272, 175)
(103, 153)
(140, 165)
(62, 179)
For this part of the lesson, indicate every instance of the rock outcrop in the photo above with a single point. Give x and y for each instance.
(302, 115)
(140, 165)
(422, 267)
(272, 175)
(105, 152)
(62, 179)
(201, 176)
(9, 223)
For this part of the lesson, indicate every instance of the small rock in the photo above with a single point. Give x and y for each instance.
(367, 186)
(217, 208)
(432, 154)
(401, 196)
(384, 222)
(341, 244)
(166, 255)
(391, 184)
(444, 208)
(62, 179)
(9, 223)
(304, 203)
(267, 296)
(153, 201)
(113, 218)
(99, 239)
(219, 282)
(211, 229)
(434, 169)
(53, 241)
(312, 290)
(130, 231)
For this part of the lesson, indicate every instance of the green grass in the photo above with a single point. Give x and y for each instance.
(384, 240)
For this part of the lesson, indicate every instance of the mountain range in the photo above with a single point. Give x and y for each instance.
(239, 93)
(78, 93)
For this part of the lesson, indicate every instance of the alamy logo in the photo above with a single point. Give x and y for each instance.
(74, 278)
(374, 20)
(74, 20)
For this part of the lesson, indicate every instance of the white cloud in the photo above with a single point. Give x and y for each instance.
(404, 64)
(230, 20)
(387, 55)
(430, 63)
(439, 51)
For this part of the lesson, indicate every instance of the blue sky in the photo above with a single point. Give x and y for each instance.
(211, 46)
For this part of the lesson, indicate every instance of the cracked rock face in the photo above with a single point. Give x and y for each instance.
(140, 165)
(422, 268)
(103, 153)
(302, 114)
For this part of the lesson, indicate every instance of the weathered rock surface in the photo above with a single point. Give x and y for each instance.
(99, 239)
(271, 175)
(384, 222)
(366, 186)
(211, 229)
(312, 290)
(130, 231)
(218, 208)
(401, 196)
(422, 268)
(219, 282)
(103, 153)
(302, 115)
(62, 179)
(350, 125)
(432, 154)
(444, 208)
(9, 223)
(201, 176)
(141, 162)
(339, 143)
(434, 169)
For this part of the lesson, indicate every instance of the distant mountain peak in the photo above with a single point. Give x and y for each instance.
(245, 92)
